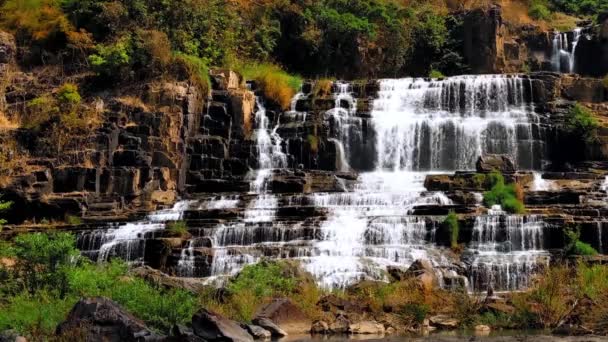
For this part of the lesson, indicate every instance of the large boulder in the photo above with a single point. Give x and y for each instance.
(367, 328)
(424, 272)
(8, 48)
(284, 313)
(213, 327)
(100, 319)
(495, 162)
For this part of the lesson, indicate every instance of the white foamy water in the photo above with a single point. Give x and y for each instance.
(563, 56)
(127, 241)
(541, 184)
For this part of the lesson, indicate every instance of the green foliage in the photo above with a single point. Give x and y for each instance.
(112, 60)
(276, 84)
(4, 207)
(73, 220)
(54, 279)
(451, 223)
(592, 280)
(177, 228)
(507, 196)
(37, 314)
(265, 279)
(42, 260)
(581, 123)
(538, 10)
(573, 244)
(581, 7)
(68, 96)
(436, 74)
(193, 69)
(415, 312)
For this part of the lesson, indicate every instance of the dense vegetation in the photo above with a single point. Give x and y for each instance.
(42, 276)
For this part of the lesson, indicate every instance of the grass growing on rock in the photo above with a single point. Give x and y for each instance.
(581, 123)
(276, 84)
(508, 196)
(451, 224)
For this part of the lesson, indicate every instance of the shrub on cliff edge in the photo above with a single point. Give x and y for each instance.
(581, 123)
(509, 197)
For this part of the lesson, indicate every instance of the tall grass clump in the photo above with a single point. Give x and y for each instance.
(508, 196)
(193, 69)
(276, 84)
(580, 122)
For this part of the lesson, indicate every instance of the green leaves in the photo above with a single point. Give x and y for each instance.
(581, 122)
(509, 197)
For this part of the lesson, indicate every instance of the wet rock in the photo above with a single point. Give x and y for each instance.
(444, 322)
(213, 327)
(319, 327)
(100, 319)
(159, 278)
(340, 325)
(269, 325)
(286, 315)
(257, 331)
(423, 270)
(495, 162)
(181, 333)
(367, 327)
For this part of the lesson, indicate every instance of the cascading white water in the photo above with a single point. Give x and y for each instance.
(541, 184)
(262, 209)
(447, 124)
(344, 122)
(127, 241)
(563, 56)
(508, 250)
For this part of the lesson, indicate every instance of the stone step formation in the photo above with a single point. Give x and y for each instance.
(358, 180)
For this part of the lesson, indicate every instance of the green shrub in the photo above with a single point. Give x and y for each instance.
(43, 260)
(177, 228)
(415, 312)
(539, 11)
(581, 123)
(68, 96)
(573, 244)
(592, 280)
(112, 61)
(436, 74)
(451, 223)
(507, 196)
(582, 248)
(264, 279)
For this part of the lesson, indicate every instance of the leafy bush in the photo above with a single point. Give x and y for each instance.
(313, 141)
(574, 246)
(42, 260)
(416, 312)
(68, 96)
(113, 60)
(509, 197)
(581, 123)
(539, 10)
(451, 224)
(276, 84)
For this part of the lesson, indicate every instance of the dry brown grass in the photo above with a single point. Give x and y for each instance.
(6, 123)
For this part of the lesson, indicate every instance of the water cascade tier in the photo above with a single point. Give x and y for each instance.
(372, 212)
(563, 55)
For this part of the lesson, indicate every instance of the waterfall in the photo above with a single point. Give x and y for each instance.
(508, 250)
(127, 241)
(541, 184)
(447, 124)
(563, 55)
(346, 126)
